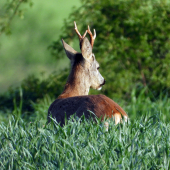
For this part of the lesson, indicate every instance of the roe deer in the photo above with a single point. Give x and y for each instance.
(84, 75)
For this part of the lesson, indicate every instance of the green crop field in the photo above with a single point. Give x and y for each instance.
(141, 143)
(144, 144)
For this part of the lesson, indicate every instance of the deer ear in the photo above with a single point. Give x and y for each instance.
(86, 49)
(70, 52)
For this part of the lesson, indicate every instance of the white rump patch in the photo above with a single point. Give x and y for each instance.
(117, 118)
(125, 118)
(106, 125)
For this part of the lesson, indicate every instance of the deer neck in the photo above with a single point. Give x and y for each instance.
(77, 84)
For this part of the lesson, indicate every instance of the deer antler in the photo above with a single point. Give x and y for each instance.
(92, 37)
(78, 33)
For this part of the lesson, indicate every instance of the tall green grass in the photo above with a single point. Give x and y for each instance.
(141, 143)
(143, 105)
(144, 144)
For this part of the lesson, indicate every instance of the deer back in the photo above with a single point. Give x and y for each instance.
(90, 106)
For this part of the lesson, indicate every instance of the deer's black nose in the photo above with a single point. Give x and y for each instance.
(103, 82)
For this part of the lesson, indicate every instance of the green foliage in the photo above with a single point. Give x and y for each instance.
(132, 44)
(144, 144)
(140, 105)
(40, 109)
(25, 51)
(31, 90)
(9, 10)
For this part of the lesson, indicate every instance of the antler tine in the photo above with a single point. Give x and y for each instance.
(78, 33)
(92, 37)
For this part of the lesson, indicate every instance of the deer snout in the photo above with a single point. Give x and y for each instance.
(101, 85)
(104, 82)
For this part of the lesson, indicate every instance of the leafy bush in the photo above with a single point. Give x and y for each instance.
(9, 10)
(132, 44)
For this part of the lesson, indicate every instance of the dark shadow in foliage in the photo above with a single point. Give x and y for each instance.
(33, 89)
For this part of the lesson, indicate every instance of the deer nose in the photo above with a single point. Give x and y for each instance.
(103, 82)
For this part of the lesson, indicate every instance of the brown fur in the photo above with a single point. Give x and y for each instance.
(100, 105)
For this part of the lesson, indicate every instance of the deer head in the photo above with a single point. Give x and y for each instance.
(84, 67)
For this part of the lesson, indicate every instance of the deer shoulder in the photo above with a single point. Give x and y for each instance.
(84, 74)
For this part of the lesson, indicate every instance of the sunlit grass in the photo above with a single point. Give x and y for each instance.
(144, 144)
(141, 143)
